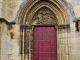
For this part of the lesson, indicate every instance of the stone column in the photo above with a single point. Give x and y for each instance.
(64, 43)
(73, 41)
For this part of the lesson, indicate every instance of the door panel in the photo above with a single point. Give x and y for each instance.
(44, 43)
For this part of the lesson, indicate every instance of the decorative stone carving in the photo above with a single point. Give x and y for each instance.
(45, 17)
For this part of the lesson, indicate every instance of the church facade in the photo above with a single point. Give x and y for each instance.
(39, 30)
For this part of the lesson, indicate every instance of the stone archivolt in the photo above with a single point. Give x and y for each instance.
(29, 9)
(42, 12)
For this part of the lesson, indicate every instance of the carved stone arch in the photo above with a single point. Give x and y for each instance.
(55, 9)
(32, 13)
(62, 10)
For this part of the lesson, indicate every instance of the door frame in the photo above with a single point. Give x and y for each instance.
(31, 39)
(29, 30)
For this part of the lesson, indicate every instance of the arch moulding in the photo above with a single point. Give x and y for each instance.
(59, 8)
(45, 12)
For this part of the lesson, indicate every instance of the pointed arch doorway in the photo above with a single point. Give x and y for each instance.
(44, 35)
(44, 43)
(40, 13)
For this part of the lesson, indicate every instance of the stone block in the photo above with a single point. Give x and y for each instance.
(0, 12)
(3, 44)
(9, 51)
(0, 5)
(3, 51)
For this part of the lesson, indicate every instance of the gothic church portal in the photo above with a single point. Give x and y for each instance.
(41, 30)
(46, 28)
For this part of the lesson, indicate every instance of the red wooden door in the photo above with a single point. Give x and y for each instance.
(44, 43)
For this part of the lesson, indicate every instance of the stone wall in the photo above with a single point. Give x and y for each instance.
(10, 34)
(75, 37)
(4, 41)
(9, 42)
(9, 8)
